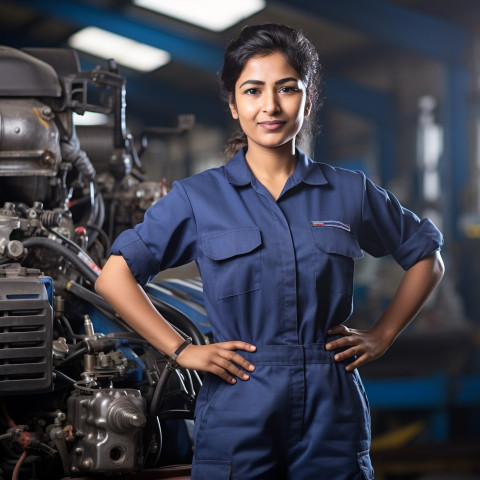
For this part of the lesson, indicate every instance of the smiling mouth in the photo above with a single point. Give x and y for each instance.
(272, 125)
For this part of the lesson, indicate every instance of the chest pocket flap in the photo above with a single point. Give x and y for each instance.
(233, 265)
(337, 241)
(231, 243)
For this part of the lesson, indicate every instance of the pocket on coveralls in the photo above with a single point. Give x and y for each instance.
(334, 255)
(234, 260)
(365, 465)
(334, 252)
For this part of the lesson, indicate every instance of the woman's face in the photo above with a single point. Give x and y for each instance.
(270, 101)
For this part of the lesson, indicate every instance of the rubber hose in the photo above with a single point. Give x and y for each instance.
(98, 218)
(103, 234)
(174, 315)
(177, 414)
(179, 319)
(78, 353)
(89, 296)
(61, 376)
(82, 267)
(71, 243)
(18, 465)
(98, 301)
(158, 453)
(101, 210)
(160, 443)
(154, 405)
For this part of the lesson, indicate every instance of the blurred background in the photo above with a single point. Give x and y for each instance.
(401, 102)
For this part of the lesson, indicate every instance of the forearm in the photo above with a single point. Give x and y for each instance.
(414, 290)
(120, 289)
(412, 293)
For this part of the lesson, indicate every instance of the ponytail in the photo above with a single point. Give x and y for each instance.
(234, 144)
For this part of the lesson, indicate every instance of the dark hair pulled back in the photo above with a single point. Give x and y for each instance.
(262, 40)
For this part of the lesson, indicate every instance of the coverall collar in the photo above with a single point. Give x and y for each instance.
(307, 171)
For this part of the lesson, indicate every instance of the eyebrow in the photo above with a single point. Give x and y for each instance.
(278, 82)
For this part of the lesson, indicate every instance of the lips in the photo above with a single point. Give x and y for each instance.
(272, 124)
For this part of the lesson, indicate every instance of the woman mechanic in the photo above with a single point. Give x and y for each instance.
(275, 236)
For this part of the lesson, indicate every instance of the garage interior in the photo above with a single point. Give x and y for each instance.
(401, 102)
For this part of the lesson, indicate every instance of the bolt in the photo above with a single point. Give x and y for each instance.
(15, 249)
(47, 159)
(61, 416)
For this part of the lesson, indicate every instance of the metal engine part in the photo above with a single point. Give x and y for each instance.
(29, 142)
(107, 425)
(9, 222)
(25, 330)
(28, 221)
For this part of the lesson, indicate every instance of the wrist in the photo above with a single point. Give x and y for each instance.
(179, 350)
(385, 333)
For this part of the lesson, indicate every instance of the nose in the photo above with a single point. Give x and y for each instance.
(270, 105)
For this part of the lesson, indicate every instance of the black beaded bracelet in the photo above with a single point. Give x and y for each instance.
(180, 349)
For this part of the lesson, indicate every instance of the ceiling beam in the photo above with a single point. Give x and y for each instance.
(187, 49)
(393, 24)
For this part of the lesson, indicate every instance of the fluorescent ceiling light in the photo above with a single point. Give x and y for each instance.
(216, 15)
(90, 118)
(126, 52)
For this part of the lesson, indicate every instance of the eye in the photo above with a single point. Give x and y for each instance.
(289, 89)
(251, 91)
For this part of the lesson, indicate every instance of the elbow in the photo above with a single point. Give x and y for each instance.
(103, 280)
(99, 283)
(115, 273)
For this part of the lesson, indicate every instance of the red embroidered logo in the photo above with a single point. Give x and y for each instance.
(331, 223)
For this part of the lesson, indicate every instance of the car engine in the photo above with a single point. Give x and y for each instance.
(81, 394)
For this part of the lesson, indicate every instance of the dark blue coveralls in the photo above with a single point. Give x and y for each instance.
(278, 274)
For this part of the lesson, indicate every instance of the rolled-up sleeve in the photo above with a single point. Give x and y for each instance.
(387, 228)
(166, 238)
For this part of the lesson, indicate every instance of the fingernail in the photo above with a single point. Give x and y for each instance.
(251, 368)
(253, 347)
(337, 357)
(245, 376)
(232, 380)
